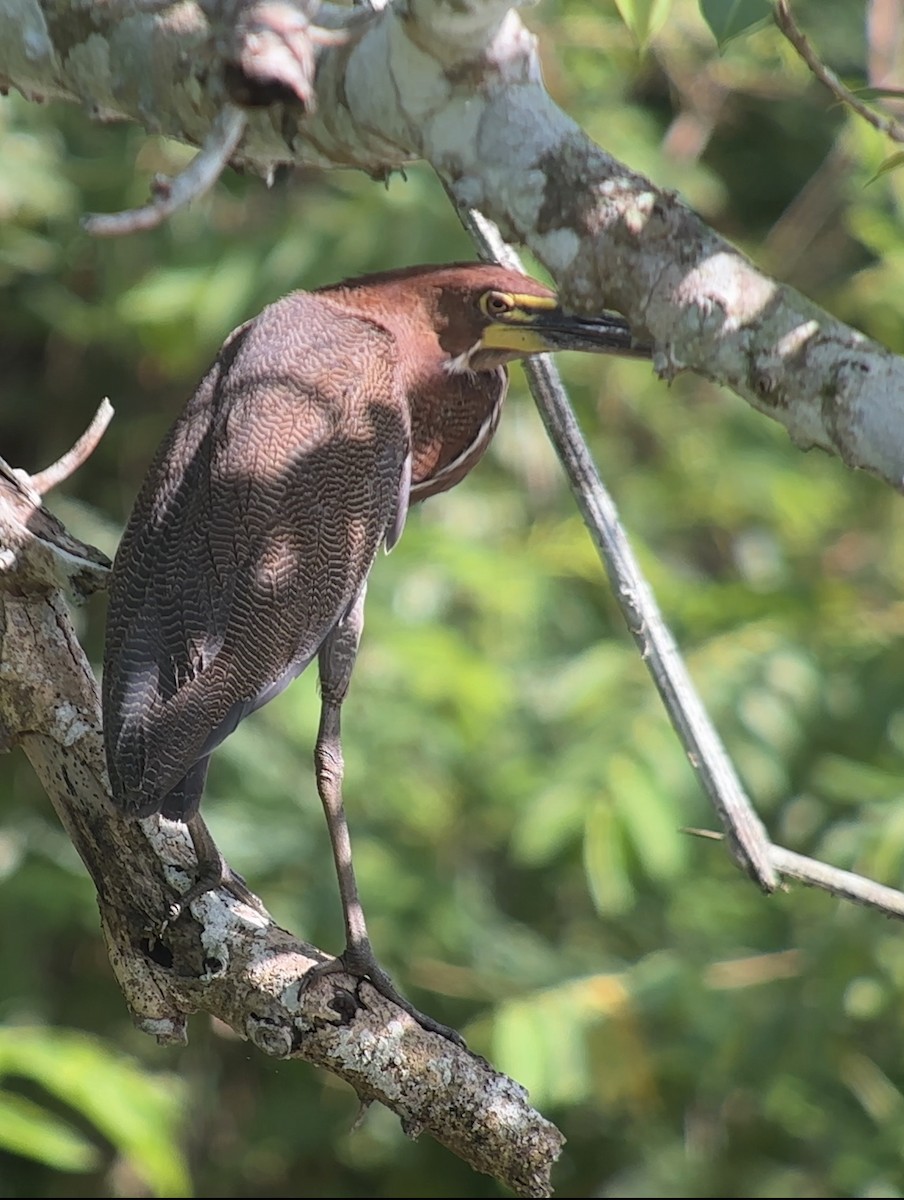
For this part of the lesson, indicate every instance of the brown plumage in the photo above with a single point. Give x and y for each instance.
(249, 546)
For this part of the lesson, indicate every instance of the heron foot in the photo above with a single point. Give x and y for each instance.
(360, 960)
(209, 881)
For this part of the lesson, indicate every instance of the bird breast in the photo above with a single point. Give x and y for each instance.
(453, 419)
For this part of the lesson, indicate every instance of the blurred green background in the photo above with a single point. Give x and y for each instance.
(514, 789)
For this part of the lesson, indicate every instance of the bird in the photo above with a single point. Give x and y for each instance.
(248, 549)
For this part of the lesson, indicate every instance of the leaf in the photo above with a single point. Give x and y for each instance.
(540, 1040)
(878, 93)
(729, 18)
(138, 1112)
(548, 822)
(519, 1036)
(604, 861)
(647, 817)
(644, 18)
(164, 296)
(29, 1130)
(889, 164)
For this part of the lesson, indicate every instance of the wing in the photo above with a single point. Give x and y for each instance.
(251, 537)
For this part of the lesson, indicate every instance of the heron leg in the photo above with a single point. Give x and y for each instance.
(213, 872)
(181, 804)
(336, 662)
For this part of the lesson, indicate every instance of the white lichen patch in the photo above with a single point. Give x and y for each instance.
(726, 282)
(796, 339)
(558, 249)
(69, 724)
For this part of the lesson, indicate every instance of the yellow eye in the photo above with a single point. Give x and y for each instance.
(496, 304)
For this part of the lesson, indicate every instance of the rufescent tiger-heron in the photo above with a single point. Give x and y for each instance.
(249, 546)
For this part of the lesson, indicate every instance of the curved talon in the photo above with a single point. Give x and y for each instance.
(213, 872)
(233, 883)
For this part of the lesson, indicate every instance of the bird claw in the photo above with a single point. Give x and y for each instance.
(229, 880)
(363, 963)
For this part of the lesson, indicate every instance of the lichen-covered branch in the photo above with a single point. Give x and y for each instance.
(457, 82)
(227, 959)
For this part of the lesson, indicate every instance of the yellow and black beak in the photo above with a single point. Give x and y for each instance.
(536, 324)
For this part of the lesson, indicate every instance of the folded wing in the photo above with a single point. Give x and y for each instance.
(251, 538)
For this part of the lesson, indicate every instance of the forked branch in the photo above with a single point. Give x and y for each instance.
(745, 835)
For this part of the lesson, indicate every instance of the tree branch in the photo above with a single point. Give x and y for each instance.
(844, 885)
(172, 194)
(70, 462)
(745, 835)
(457, 82)
(227, 959)
(784, 19)
(659, 652)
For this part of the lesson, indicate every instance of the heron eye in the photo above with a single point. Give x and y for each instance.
(496, 304)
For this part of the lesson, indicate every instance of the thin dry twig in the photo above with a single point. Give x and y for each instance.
(69, 462)
(171, 194)
(826, 76)
(747, 837)
(846, 885)
(744, 832)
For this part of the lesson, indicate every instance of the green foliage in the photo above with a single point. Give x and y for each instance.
(889, 164)
(514, 789)
(644, 18)
(730, 18)
(136, 1113)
